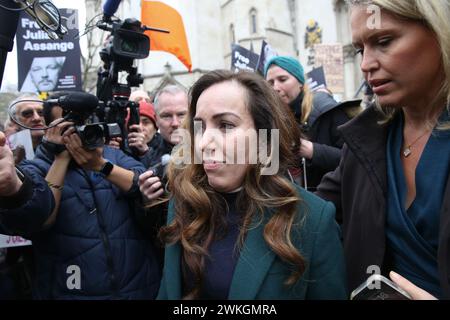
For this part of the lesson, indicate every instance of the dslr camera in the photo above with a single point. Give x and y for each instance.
(81, 109)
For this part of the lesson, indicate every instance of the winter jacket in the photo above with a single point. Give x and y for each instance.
(358, 188)
(321, 129)
(151, 220)
(94, 249)
(157, 148)
(260, 273)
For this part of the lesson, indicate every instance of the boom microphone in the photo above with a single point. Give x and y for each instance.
(79, 102)
(109, 9)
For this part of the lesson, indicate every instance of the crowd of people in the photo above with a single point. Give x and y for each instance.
(350, 196)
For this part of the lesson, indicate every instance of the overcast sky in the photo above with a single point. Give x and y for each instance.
(10, 74)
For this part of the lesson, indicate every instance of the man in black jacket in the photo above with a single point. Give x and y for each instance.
(171, 106)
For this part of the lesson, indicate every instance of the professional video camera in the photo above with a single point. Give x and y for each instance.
(97, 121)
(125, 44)
(81, 108)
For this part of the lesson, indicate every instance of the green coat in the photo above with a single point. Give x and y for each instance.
(260, 274)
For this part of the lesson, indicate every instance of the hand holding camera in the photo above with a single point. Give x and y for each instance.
(150, 185)
(115, 143)
(136, 139)
(87, 159)
(57, 129)
(153, 183)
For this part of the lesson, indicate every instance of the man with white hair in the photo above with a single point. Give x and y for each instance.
(30, 113)
(139, 95)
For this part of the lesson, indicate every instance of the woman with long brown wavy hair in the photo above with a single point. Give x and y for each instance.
(241, 229)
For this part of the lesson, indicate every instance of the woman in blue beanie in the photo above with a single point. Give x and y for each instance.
(317, 113)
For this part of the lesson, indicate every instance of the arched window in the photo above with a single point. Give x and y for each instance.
(253, 21)
(232, 34)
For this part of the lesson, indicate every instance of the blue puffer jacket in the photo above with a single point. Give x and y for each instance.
(103, 246)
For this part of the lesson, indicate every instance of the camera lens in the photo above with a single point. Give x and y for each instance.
(129, 46)
(91, 136)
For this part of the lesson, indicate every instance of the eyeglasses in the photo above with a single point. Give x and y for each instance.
(30, 112)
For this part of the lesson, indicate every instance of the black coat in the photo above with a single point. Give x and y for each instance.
(157, 147)
(321, 129)
(94, 231)
(150, 220)
(358, 188)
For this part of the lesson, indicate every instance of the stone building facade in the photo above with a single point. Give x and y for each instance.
(213, 25)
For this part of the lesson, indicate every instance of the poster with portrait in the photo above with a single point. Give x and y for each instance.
(46, 65)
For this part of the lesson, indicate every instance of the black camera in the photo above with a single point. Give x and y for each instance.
(159, 170)
(126, 43)
(81, 109)
(94, 135)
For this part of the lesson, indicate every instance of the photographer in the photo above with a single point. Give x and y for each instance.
(140, 136)
(79, 218)
(171, 106)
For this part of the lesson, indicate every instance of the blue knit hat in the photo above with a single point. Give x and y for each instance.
(289, 64)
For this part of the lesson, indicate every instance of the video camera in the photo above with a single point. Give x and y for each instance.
(98, 119)
(126, 43)
(81, 108)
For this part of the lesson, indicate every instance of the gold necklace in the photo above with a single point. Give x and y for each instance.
(407, 151)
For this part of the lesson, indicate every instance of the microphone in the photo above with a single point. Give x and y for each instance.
(78, 102)
(109, 9)
(165, 159)
(159, 168)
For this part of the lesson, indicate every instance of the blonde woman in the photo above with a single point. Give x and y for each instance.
(318, 115)
(393, 183)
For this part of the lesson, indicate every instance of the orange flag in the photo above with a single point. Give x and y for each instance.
(162, 16)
